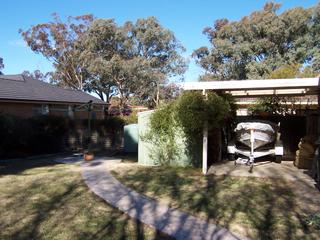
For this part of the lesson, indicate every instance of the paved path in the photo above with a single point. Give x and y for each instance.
(172, 222)
(175, 223)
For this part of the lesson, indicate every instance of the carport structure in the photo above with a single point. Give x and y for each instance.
(242, 89)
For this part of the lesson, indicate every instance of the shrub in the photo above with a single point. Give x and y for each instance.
(189, 113)
(21, 137)
(272, 105)
(47, 133)
(15, 135)
(162, 134)
(130, 119)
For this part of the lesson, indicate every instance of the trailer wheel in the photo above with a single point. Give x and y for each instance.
(278, 159)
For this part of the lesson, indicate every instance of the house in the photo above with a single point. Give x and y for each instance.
(26, 97)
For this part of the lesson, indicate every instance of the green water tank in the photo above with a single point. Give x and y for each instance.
(131, 138)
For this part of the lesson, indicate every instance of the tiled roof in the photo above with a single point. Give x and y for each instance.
(22, 88)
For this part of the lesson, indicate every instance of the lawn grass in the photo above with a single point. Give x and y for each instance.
(252, 207)
(40, 199)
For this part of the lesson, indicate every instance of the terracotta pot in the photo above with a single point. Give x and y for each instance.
(88, 156)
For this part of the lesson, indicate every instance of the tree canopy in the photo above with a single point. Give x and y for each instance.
(293, 70)
(260, 43)
(58, 42)
(135, 59)
(38, 75)
(1, 65)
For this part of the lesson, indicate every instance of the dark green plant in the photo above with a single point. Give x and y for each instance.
(162, 134)
(186, 117)
(21, 137)
(272, 105)
(194, 111)
(261, 42)
(15, 135)
(130, 119)
(47, 134)
(314, 220)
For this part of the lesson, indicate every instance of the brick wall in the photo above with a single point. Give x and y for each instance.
(26, 110)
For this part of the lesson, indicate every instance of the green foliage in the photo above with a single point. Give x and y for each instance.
(130, 119)
(38, 75)
(194, 110)
(133, 60)
(260, 43)
(314, 221)
(162, 134)
(191, 113)
(58, 42)
(110, 124)
(37, 135)
(47, 134)
(97, 55)
(293, 70)
(186, 117)
(1, 65)
(116, 123)
(272, 105)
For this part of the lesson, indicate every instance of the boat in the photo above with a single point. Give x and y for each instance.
(256, 134)
(257, 139)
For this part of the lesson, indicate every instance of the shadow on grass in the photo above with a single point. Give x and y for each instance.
(257, 208)
(16, 166)
(50, 201)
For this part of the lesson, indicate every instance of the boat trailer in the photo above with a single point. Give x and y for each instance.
(254, 140)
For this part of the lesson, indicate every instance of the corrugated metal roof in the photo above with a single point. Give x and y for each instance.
(21, 88)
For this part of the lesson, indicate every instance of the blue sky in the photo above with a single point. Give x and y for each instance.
(185, 18)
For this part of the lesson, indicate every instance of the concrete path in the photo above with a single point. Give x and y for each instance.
(175, 223)
(263, 169)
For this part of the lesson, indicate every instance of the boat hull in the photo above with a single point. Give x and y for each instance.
(255, 135)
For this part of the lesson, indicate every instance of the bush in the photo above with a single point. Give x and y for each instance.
(272, 105)
(162, 134)
(14, 135)
(130, 119)
(189, 113)
(21, 137)
(47, 133)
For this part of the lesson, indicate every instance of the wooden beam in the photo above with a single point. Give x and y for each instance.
(205, 142)
(253, 84)
(205, 150)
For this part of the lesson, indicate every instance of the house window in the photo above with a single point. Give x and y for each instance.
(45, 109)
